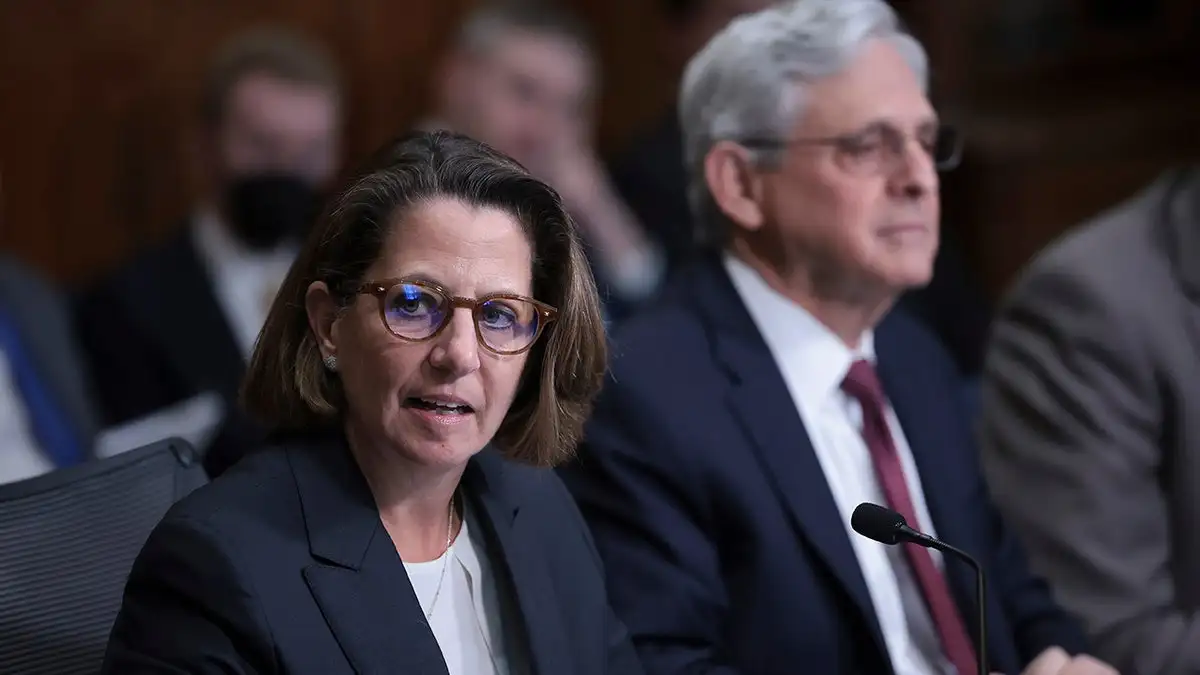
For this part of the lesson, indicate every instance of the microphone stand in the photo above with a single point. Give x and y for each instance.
(886, 526)
(980, 589)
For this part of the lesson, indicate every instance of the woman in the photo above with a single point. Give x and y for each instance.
(436, 345)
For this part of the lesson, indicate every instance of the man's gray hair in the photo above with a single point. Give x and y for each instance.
(749, 81)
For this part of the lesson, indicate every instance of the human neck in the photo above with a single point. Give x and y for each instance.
(847, 312)
(414, 501)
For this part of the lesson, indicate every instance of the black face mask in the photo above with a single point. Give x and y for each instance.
(264, 210)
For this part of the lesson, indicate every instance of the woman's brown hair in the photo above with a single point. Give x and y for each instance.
(288, 388)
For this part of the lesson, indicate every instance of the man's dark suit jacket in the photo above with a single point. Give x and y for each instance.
(282, 565)
(724, 549)
(155, 335)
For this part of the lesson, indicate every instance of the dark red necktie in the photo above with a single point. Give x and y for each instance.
(863, 384)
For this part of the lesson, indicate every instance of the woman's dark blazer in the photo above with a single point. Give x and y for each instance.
(282, 565)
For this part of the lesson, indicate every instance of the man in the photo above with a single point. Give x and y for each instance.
(522, 77)
(181, 320)
(47, 416)
(650, 175)
(1090, 432)
(772, 391)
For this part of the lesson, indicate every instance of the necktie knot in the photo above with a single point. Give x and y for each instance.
(863, 383)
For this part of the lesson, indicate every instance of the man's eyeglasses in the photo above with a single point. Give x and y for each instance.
(416, 311)
(878, 148)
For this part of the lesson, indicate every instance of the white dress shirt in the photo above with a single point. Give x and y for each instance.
(243, 280)
(21, 455)
(468, 618)
(814, 362)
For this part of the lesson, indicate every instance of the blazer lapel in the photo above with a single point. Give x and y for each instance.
(762, 403)
(358, 579)
(520, 564)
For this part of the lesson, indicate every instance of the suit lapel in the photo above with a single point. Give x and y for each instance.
(520, 563)
(357, 578)
(181, 311)
(763, 405)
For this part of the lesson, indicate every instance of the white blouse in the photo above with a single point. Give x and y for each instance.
(467, 617)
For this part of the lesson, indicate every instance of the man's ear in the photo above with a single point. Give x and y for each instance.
(735, 184)
(322, 313)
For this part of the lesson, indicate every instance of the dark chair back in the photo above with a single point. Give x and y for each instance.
(67, 542)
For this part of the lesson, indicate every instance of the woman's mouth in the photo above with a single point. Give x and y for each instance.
(438, 406)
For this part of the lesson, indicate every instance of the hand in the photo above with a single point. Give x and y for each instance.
(1055, 661)
(573, 169)
(632, 264)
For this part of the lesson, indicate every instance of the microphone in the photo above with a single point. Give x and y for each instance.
(888, 527)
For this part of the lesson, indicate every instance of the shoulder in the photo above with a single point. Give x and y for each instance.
(1098, 261)
(669, 339)
(17, 275)
(23, 286)
(663, 369)
(246, 507)
(230, 538)
(902, 339)
(118, 305)
(156, 263)
(899, 328)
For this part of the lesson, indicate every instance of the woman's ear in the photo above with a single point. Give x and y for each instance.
(734, 184)
(322, 313)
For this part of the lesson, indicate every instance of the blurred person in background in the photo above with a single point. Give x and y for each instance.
(522, 77)
(775, 386)
(432, 353)
(48, 418)
(649, 173)
(1091, 424)
(651, 177)
(180, 320)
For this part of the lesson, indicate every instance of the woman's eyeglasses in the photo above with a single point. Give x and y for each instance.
(416, 311)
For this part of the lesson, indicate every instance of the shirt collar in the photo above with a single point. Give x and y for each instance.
(813, 358)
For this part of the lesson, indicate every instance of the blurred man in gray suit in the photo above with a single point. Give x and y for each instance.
(46, 416)
(1092, 424)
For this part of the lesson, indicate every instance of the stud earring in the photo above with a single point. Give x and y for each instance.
(331, 363)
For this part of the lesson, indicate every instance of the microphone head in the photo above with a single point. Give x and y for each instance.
(879, 523)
